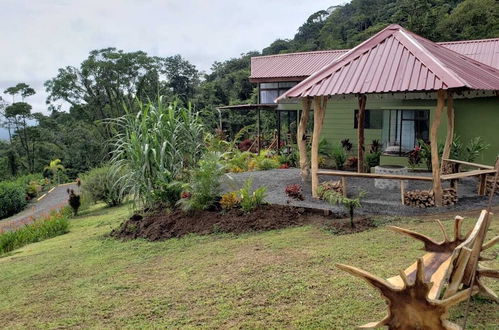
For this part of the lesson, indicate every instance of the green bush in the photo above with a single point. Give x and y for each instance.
(12, 198)
(339, 155)
(372, 159)
(204, 185)
(103, 185)
(251, 200)
(55, 224)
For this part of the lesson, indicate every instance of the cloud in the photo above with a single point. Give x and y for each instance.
(38, 37)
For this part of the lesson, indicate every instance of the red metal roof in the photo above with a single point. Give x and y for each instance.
(298, 66)
(397, 60)
(294, 66)
(485, 50)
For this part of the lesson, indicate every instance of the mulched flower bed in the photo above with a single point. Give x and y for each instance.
(169, 224)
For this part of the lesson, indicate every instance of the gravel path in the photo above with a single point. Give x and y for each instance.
(376, 201)
(53, 200)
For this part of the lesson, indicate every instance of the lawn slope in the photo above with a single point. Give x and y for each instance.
(283, 278)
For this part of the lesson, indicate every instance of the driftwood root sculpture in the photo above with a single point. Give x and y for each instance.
(409, 307)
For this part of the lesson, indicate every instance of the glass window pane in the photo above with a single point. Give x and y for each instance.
(287, 84)
(269, 85)
(268, 96)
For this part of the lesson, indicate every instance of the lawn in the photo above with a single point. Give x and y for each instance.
(277, 279)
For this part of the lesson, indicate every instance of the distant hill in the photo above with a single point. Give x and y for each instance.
(345, 26)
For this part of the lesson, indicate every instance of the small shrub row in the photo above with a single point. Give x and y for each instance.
(57, 223)
(244, 198)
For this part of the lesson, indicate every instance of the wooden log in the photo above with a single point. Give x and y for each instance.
(462, 162)
(461, 175)
(450, 128)
(360, 133)
(437, 184)
(301, 138)
(319, 111)
(344, 186)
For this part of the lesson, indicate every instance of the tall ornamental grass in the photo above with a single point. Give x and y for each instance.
(155, 147)
(57, 223)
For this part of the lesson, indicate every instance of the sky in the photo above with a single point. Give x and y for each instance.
(40, 36)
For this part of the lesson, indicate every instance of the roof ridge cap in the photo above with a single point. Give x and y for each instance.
(466, 41)
(304, 53)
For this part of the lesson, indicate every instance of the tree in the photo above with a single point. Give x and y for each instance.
(55, 167)
(110, 78)
(18, 114)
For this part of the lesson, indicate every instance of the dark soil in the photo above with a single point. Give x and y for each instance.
(168, 224)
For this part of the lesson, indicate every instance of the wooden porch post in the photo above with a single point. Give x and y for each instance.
(360, 133)
(435, 163)
(301, 137)
(450, 128)
(319, 111)
(258, 129)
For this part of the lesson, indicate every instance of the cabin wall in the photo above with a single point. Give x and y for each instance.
(479, 117)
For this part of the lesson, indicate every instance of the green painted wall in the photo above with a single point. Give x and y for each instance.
(473, 117)
(479, 117)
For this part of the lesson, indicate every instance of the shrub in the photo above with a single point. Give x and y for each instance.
(333, 197)
(156, 145)
(339, 155)
(294, 191)
(352, 162)
(474, 148)
(12, 198)
(265, 163)
(346, 144)
(372, 159)
(204, 185)
(229, 200)
(414, 157)
(376, 146)
(103, 184)
(251, 200)
(55, 224)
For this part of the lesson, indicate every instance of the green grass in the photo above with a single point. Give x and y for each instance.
(276, 279)
(57, 223)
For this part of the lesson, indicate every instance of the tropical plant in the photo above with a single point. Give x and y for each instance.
(339, 155)
(251, 200)
(55, 168)
(346, 144)
(334, 198)
(414, 157)
(373, 159)
(294, 191)
(103, 184)
(155, 146)
(376, 146)
(204, 184)
(474, 148)
(229, 200)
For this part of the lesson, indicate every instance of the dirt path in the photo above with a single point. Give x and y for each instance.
(52, 200)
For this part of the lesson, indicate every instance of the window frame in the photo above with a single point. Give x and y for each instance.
(281, 88)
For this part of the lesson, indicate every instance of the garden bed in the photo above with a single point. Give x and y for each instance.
(168, 224)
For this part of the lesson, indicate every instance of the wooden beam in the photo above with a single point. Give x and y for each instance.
(301, 137)
(435, 163)
(360, 133)
(374, 175)
(462, 162)
(450, 129)
(319, 111)
(461, 175)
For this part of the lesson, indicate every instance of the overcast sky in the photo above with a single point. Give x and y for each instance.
(40, 36)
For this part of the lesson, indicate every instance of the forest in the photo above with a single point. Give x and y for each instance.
(110, 82)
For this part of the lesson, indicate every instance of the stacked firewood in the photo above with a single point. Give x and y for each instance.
(425, 198)
(490, 184)
(333, 185)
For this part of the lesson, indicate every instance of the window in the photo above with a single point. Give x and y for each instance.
(373, 119)
(270, 91)
(403, 128)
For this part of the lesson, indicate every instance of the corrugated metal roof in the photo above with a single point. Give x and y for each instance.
(294, 65)
(485, 50)
(302, 65)
(397, 60)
